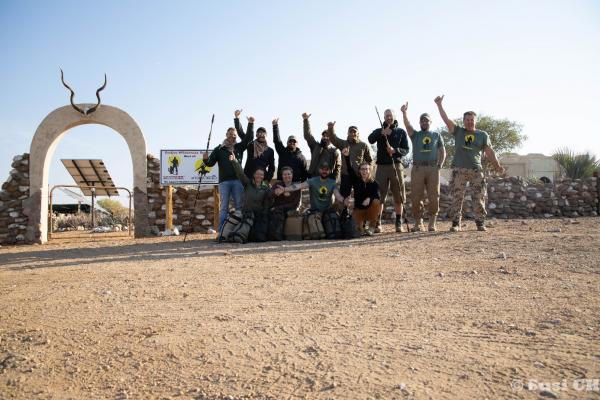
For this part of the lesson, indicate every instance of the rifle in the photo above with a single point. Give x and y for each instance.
(202, 171)
(395, 172)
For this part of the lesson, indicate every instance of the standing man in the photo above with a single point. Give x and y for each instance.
(429, 154)
(392, 145)
(229, 185)
(289, 156)
(259, 154)
(466, 166)
(359, 152)
(321, 151)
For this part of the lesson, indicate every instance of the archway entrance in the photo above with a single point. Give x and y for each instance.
(45, 140)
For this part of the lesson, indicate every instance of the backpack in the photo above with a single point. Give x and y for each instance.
(276, 225)
(230, 222)
(292, 228)
(241, 232)
(259, 230)
(348, 225)
(312, 226)
(331, 224)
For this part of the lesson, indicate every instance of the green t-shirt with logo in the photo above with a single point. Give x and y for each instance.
(321, 193)
(468, 148)
(425, 145)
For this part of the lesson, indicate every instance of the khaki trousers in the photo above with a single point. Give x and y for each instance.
(425, 178)
(371, 215)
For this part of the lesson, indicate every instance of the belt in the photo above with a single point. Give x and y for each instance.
(427, 163)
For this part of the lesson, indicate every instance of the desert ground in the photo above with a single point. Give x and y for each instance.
(509, 313)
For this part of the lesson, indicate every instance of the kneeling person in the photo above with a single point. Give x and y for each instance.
(367, 200)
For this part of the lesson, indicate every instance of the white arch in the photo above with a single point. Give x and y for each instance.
(45, 140)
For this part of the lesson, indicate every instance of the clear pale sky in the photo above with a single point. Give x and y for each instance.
(171, 65)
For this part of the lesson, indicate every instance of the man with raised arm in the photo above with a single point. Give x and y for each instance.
(321, 151)
(429, 154)
(359, 152)
(392, 146)
(229, 185)
(259, 154)
(466, 166)
(290, 155)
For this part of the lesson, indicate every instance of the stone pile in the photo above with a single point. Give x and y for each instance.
(184, 214)
(13, 223)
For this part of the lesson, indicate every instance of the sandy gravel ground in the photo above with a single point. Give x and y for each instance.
(431, 315)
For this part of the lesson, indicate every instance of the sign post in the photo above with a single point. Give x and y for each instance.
(169, 217)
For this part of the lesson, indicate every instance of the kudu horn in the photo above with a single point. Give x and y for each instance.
(86, 111)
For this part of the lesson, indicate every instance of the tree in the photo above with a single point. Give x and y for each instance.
(117, 210)
(505, 135)
(576, 165)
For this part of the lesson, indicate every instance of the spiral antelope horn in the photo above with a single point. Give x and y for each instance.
(62, 78)
(101, 88)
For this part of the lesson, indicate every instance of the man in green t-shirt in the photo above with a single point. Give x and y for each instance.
(429, 154)
(466, 166)
(322, 189)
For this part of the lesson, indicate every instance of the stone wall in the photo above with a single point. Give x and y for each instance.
(184, 213)
(13, 223)
(516, 198)
(507, 198)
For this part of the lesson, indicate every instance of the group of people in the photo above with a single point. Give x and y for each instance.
(342, 169)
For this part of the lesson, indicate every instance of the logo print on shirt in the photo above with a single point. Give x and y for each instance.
(469, 139)
(426, 145)
(323, 193)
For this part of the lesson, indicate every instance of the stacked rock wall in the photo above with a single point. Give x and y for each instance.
(184, 213)
(514, 197)
(13, 223)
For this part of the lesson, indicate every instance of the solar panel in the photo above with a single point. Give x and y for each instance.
(91, 173)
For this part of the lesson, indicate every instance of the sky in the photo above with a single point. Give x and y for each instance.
(171, 65)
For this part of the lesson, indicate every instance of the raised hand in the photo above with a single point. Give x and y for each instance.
(306, 116)
(237, 113)
(404, 107)
(438, 100)
(366, 202)
(231, 157)
(250, 119)
(386, 131)
(330, 125)
(347, 201)
(346, 151)
(390, 150)
(276, 121)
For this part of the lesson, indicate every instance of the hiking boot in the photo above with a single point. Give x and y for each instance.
(399, 226)
(432, 227)
(455, 226)
(377, 227)
(481, 226)
(419, 227)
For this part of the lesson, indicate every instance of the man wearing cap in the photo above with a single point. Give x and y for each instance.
(359, 152)
(429, 154)
(322, 190)
(290, 155)
(392, 146)
(321, 152)
(466, 166)
(260, 155)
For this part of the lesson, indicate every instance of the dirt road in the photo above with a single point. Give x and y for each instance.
(431, 315)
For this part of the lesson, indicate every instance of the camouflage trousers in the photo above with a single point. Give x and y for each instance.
(458, 187)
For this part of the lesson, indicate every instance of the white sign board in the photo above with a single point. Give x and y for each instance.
(181, 167)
